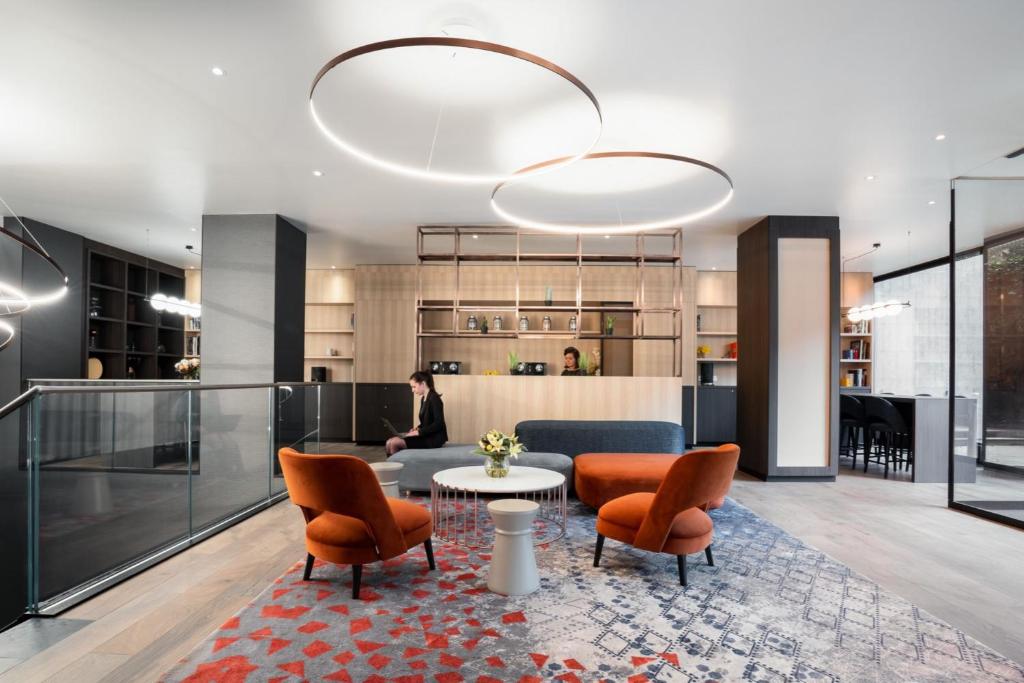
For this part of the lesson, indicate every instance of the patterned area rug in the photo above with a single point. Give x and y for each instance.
(772, 609)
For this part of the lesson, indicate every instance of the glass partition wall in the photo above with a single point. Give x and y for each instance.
(987, 214)
(119, 477)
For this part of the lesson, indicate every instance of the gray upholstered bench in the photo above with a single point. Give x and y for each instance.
(422, 463)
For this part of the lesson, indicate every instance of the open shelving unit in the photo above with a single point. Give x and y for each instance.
(330, 314)
(469, 274)
(716, 326)
(855, 354)
(123, 331)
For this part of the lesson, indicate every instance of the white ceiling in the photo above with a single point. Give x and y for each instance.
(111, 123)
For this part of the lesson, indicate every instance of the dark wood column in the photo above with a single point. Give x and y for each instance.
(788, 333)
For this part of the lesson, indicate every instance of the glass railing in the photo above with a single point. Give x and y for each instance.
(120, 477)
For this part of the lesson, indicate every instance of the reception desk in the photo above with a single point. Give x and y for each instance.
(475, 403)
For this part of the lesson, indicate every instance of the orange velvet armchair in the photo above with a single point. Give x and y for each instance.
(674, 520)
(348, 518)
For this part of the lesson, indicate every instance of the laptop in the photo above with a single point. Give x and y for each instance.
(391, 428)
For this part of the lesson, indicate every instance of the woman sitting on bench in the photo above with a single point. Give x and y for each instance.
(431, 432)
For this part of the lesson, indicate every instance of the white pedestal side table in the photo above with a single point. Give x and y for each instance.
(387, 475)
(513, 565)
(459, 517)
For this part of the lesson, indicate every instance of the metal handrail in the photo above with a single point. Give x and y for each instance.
(18, 402)
(25, 397)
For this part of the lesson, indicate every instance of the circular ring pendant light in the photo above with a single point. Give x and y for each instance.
(604, 228)
(14, 301)
(468, 178)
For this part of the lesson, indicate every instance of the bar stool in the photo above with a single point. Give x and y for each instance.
(888, 434)
(513, 564)
(387, 475)
(851, 427)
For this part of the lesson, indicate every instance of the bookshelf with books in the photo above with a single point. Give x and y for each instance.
(855, 355)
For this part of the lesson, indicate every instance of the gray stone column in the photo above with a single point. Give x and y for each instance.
(253, 299)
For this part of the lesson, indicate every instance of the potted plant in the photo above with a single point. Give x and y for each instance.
(703, 350)
(497, 447)
(609, 325)
(513, 363)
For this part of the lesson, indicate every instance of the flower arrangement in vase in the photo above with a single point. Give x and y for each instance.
(497, 447)
(188, 368)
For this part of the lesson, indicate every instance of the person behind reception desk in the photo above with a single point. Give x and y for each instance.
(572, 362)
(432, 431)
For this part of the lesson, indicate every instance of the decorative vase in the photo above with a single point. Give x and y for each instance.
(496, 466)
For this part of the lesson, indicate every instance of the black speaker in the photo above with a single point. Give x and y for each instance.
(535, 368)
(318, 373)
(446, 367)
(707, 373)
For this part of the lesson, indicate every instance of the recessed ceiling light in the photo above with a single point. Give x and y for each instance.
(940, 137)
(217, 71)
(318, 173)
(930, 202)
(714, 268)
(607, 237)
(869, 177)
(476, 236)
(334, 267)
(192, 229)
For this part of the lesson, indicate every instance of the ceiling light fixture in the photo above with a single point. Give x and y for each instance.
(427, 174)
(604, 228)
(14, 301)
(869, 178)
(940, 137)
(318, 174)
(930, 202)
(217, 71)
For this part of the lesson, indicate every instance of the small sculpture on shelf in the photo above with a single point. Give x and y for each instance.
(730, 350)
(703, 350)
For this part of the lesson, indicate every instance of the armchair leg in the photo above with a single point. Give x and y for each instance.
(681, 561)
(357, 577)
(430, 553)
(707, 554)
(309, 567)
(598, 549)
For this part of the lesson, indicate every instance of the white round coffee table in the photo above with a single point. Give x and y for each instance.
(460, 518)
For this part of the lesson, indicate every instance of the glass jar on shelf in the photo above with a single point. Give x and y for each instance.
(497, 323)
(546, 323)
(471, 323)
(572, 323)
(524, 324)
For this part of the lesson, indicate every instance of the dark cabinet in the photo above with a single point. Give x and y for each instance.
(336, 411)
(376, 401)
(716, 415)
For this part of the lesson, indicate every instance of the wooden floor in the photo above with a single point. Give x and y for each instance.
(961, 568)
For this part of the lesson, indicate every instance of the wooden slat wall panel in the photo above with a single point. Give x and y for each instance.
(332, 286)
(385, 323)
(716, 288)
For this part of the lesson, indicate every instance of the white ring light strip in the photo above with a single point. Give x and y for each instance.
(604, 228)
(465, 178)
